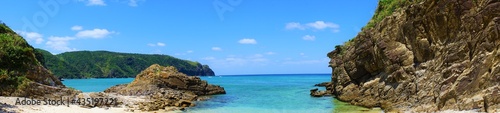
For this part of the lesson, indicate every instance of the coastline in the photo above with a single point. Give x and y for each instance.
(7, 105)
(345, 107)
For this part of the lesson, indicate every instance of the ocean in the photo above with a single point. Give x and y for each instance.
(249, 94)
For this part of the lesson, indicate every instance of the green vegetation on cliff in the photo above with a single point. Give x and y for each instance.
(15, 55)
(20, 72)
(386, 8)
(104, 64)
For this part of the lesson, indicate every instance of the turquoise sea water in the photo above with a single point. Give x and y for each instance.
(267, 94)
(245, 93)
(95, 85)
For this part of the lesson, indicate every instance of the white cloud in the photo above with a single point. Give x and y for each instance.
(317, 25)
(336, 30)
(302, 54)
(187, 52)
(32, 36)
(76, 28)
(270, 53)
(309, 38)
(157, 44)
(235, 61)
(160, 44)
(60, 43)
(301, 62)
(256, 58)
(96, 3)
(259, 60)
(238, 60)
(216, 48)
(252, 59)
(157, 51)
(258, 55)
(95, 33)
(304, 62)
(132, 3)
(322, 25)
(247, 41)
(208, 58)
(294, 25)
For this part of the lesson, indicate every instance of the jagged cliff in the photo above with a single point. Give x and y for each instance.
(429, 55)
(20, 72)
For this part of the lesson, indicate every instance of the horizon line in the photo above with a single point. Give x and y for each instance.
(276, 74)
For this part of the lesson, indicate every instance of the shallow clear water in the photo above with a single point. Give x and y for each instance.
(95, 85)
(266, 93)
(246, 93)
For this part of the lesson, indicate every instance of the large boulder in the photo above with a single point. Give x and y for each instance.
(165, 87)
(157, 78)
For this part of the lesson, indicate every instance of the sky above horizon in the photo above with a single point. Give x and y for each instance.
(231, 36)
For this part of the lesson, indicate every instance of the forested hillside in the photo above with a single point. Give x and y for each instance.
(105, 64)
(21, 74)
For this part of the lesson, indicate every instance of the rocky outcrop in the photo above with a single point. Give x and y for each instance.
(165, 87)
(323, 84)
(317, 93)
(427, 56)
(21, 74)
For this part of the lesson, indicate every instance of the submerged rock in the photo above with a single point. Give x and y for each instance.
(317, 93)
(166, 87)
(328, 92)
(429, 55)
(323, 84)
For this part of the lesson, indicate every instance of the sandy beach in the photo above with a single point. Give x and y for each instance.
(7, 105)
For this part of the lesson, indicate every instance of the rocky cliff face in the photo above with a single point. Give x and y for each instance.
(20, 72)
(429, 55)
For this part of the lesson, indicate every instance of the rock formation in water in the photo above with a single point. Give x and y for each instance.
(429, 55)
(165, 87)
(317, 93)
(21, 74)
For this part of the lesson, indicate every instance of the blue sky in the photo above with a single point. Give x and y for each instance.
(231, 36)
